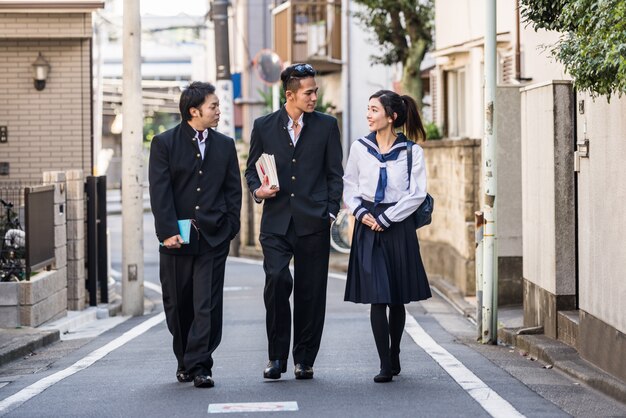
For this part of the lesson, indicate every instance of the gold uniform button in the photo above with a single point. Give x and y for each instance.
(293, 161)
(197, 207)
(200, 172)
(290, 144)
(293, 177)
(197, 155)
(293, 195)
(198, 189)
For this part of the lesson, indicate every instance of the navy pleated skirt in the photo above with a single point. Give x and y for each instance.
(386, 267)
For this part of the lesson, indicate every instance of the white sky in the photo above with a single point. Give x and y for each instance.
(167, 7)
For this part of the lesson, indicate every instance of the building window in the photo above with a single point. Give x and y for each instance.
(455, 103)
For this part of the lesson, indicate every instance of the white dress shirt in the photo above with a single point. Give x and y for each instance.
(361, 178)
(291, 131)
(202, 141)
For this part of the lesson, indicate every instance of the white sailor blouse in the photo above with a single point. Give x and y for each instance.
(383, 178)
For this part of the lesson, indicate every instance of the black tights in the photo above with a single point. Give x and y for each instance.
(384, 330)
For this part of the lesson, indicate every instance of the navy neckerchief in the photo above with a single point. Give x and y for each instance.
(372, 147)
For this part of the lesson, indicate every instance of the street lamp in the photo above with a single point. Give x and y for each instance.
(40, 72)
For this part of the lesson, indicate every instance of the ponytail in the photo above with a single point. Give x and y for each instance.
(414, 128)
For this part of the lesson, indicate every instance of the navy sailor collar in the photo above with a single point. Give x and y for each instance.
(370, 142)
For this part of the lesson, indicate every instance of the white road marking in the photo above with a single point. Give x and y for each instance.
(36, 388)
(223, 408)
(152, 286)
(489, 400)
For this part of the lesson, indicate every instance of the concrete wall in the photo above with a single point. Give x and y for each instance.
(460, 21)
(548, 208)
(509, 195)
(48, 129)
(361, 78)
(601, 214)
(535, 55)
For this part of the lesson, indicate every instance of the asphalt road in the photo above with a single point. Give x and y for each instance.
(129, 370)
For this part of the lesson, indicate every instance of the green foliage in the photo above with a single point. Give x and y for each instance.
(320, 106)
(157, 123)
(592, 46)
(404, 30)
(432, 131)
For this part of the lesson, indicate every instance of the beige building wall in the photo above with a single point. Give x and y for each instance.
(601, 214)
(535, 55)
(460, 21)
(48, 130)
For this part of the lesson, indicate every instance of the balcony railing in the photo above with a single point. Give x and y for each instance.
(309, 31)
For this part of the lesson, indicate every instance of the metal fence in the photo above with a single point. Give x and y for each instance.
(39, 226)
(26, 229)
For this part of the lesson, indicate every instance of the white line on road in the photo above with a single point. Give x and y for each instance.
(486, 397)
(152, 286)
(222, 408)
(36, 388)
(489, 400)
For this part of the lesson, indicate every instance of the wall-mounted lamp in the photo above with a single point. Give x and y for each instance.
(40, 72)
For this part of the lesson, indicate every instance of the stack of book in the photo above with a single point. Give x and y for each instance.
(266, 166)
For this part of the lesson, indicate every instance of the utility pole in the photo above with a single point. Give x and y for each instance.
(490, 253)
(132, 164)
(224, 83)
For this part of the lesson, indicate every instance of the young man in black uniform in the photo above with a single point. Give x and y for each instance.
(296, 218)
(194, 174)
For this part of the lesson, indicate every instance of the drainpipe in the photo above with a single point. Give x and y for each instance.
(346, 76)
(490, 254)
(478, 238)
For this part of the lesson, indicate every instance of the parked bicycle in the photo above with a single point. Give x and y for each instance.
(340, 232)
(12, 246)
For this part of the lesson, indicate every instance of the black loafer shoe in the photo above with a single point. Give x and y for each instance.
(183, 376)
(203, 381)
(383, 377)
(274, 369)
(303, 372)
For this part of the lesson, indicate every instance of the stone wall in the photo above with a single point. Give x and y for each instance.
(447, 245)
(75, 227)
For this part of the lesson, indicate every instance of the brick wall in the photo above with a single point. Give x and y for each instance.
(48, 130)
(45, 25)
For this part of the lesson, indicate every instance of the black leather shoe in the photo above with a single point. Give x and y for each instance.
(203, 381)
(303, 372)
(274, 369)
(183, 376)
(383, 377)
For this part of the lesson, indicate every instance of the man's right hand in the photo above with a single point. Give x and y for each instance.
(173, 242)
(265, 191)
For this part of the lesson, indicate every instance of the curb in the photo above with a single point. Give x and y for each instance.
(565, 358)
(17, 348)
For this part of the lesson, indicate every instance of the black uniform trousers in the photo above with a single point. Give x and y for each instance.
(193, 293)
(310, 254)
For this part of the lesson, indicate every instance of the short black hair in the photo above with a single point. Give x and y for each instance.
(193, 96)
(292, 75)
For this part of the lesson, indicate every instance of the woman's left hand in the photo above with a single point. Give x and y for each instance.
(376, 227)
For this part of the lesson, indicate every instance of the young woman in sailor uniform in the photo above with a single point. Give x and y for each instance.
(385, 268)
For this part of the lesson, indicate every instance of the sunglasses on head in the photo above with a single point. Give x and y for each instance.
(302, 70)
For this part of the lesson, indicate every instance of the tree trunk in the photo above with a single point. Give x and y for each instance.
(411, 80)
